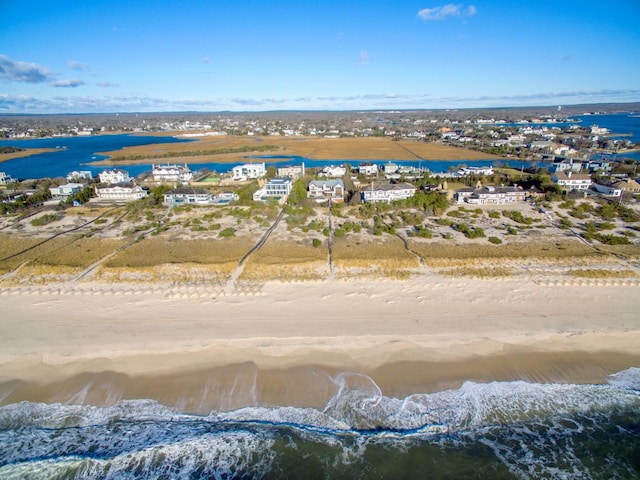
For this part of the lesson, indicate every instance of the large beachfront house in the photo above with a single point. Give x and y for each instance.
(65, 191)
(292, 171)
(326, 190)
(387, 192)
(333, 171)
(194, 196)
(368, 169)
(76, 176)
(120, 193)
(490, 195)
(248, 171)
(172, 173)
(114, 176)
(572, 181)
(276, 188)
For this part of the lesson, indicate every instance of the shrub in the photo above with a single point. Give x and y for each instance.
(227, 232)
(316, 242)
(46, 219)
(495, 240)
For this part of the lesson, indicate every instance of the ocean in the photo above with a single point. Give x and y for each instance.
(494, 430)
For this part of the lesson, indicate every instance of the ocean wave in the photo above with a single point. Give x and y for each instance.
(531, 430)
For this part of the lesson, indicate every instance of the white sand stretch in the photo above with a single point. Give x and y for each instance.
(361, 324)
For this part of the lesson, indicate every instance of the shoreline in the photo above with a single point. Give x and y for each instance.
(290, 343)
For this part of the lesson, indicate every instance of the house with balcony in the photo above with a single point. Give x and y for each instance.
(292, 171)
(79, 176)
(569, 180)
(326, 190)
(66, 191)
(368, 169)
(333, 171)
(188, 196)
(248, 171)
(120, 192)
(114, 176)
(276, 188)
(490, 195)
(172, 173)
(387, 192)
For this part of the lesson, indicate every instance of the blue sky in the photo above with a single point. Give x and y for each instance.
(140, 56)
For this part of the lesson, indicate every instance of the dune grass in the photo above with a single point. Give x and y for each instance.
(602, 273)
(286, 261)
(154, 251)
(434, 254)
(70, 251)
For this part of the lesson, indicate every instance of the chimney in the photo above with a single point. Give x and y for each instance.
(569, 174)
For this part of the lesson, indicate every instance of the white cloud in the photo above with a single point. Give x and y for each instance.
(70, 83)
(90, 104)
(23, 71)
(449, 10)
(75, 65)
(107, 84)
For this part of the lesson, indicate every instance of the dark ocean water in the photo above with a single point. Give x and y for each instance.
(499, 430)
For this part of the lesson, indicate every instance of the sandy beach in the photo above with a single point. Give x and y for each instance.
(100, 344)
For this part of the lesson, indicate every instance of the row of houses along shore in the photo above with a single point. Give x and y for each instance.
(373, 183)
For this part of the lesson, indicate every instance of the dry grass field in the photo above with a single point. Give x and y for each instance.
(316, 148)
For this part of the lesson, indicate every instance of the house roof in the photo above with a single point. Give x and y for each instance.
(328, 183)
(388, 187)
(574, 176)
(188, 191)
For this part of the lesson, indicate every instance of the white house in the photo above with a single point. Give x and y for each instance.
(490, 195)
(5, 178)
(79, 175)
(475, 171)
(607, 190)
(388, 192)
(114, 176)
(333, 171)
(572, 181)
(293, 171)
(278, 188)
(323, 190)
(248, 171)
(127, 193)
(172, 173)
(194, 196)
(368, 168)
(67, 190)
